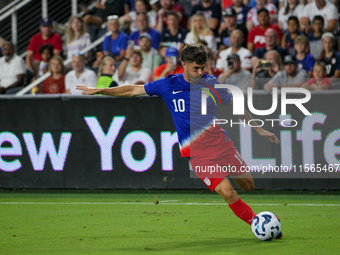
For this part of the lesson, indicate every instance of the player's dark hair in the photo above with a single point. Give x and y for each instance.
(320, 18)
(194, 53)
(295, 19)
(48, 47)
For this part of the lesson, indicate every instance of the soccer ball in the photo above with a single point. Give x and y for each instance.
(266, 226)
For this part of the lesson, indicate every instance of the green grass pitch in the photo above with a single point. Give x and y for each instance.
(183, 222)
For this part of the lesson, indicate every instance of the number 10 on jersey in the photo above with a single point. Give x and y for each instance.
(179, 105)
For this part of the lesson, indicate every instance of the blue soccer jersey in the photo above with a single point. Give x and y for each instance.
(184, 102)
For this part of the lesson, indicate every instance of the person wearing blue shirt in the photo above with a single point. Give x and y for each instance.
(201, 141)
(116, 43)
(142, 24)
(304, 59)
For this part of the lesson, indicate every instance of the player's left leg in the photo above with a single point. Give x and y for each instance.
(241, 209)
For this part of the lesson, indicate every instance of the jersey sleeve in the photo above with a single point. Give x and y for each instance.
(156, 87)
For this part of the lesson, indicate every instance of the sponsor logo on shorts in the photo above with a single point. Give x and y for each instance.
(207, 181)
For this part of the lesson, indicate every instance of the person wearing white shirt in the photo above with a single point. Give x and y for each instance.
(319, 7)
(236, 40)
(292, 8)
(200, 31)
(135, 74)
(79, 75)
(12, 70)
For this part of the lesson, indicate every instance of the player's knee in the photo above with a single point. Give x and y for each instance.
(230, 195)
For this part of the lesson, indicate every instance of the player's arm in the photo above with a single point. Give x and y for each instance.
(246, 117)
(122, 91)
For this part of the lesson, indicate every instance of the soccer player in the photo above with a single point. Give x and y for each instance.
(202, 142)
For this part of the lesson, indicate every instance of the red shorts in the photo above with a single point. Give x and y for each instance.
(224, 162)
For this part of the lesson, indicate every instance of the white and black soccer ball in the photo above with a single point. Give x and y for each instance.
(266, 226)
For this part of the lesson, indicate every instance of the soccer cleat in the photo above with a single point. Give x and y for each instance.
(279, 236)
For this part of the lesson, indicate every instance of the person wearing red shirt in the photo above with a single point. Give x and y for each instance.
(256, 37)
(170, 67)
(46, 36)
(166, 6)
(320, 81)
(55, 84)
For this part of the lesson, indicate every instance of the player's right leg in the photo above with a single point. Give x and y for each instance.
(229, 194)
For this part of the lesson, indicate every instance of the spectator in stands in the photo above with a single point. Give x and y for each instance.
(252, 20)
(162, 51)
(12, 70)
(200, 31)
(292, 8)
(166, 7)
(331, 58)
(323, 8)
(229, 25)
(303, 58)
(211, 11)
(256, 38)
(209, 68)
(170, 67)
(105, 72)
(151, 58)
(314, 38)
(128, 21)
(136, 74)
(116, 43)
(79, 75)
(102, 9)
(320, 81)
(55, 84)
(264, 70)
(236, 40)
(143, 27)
(173, 34)
(289, 77)
(46, 36)
(288, 38)
(76, 36)
(234, 74)
(46, 53)
(241, 11)
(270, 44)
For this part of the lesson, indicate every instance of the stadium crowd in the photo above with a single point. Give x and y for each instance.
(258, 43)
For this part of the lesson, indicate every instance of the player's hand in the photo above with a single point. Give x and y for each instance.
(87, 90)
(270, 136)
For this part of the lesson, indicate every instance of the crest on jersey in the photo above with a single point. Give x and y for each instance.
(207, 181)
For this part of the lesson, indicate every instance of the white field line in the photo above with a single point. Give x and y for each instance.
(140, 203)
